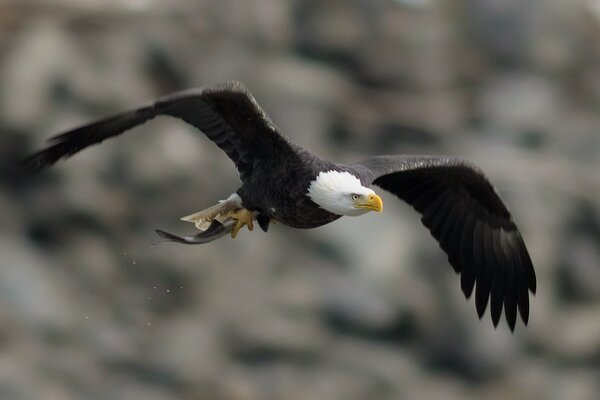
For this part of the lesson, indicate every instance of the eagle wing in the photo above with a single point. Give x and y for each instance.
(464, 214)
(227, 114)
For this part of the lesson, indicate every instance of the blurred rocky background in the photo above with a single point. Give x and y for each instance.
(365, 308)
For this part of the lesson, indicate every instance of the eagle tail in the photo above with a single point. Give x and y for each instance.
(219, 212)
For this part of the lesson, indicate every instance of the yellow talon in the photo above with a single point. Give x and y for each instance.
(243, 217)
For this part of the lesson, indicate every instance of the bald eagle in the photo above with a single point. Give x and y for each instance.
(282, 182)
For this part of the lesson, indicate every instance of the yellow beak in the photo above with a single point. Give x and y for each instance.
(374, 203)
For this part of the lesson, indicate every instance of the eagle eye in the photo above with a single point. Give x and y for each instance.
(354, 196)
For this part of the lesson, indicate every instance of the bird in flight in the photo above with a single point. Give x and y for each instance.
(282, 182)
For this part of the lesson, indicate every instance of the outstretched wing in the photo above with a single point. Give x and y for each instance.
(226, 113)
(464, 214)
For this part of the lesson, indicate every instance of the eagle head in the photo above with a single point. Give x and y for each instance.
(342, 193)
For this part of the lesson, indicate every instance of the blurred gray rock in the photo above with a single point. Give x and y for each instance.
(520, 102)
(363, 308)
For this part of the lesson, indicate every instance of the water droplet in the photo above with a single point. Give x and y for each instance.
(168, 290)
(149, 323)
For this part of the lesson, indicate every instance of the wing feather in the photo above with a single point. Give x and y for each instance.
(469, 269)
(500, 281)
(227, 114)
(450, 239)
(464, 213)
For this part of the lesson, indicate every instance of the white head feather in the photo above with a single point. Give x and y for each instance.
(333, 191)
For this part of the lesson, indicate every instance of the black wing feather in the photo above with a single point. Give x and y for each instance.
(451, 235)
(227, 114)
(500, 281)
(472, 225)
(71, 142)
(469, 269)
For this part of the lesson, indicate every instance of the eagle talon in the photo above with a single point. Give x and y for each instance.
(243, 217)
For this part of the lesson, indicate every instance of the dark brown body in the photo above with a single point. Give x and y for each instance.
(280, 191)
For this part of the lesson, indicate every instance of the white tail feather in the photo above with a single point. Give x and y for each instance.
(219, 212)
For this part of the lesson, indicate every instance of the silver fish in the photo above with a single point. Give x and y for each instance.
(215, 231)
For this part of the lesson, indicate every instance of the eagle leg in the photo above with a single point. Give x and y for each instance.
(264, 221)
(243, 217)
